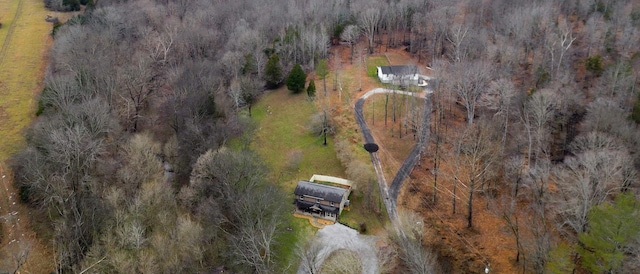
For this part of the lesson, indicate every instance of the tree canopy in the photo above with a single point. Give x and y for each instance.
(613, 227)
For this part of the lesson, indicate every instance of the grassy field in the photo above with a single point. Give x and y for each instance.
(285, 143)
(24, 42)
(293, 154)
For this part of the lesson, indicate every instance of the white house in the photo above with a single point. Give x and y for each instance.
(399, 75)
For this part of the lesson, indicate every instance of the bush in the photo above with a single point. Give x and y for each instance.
(316, 125)
(311, 89)
(594, 65)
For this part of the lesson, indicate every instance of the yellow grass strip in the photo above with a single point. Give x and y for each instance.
(25, 42)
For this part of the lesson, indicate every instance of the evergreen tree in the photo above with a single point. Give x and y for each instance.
(273, 72)
(296, 79)
(311, 89)
(612, 230)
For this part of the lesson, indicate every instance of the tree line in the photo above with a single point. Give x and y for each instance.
(127, 160)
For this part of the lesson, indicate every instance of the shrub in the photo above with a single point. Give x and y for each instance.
(311, 89)
(594, 65)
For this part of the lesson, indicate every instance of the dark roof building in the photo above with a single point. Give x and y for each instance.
(399, 70)
(320, 200)
(320, 191)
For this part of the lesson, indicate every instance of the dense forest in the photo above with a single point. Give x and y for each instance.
(129, 160)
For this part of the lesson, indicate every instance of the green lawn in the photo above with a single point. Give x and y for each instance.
(373, 62)
(282, 134)
(281, 138)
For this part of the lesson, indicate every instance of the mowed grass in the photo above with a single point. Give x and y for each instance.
(7, 15)
(293, 153)
(373, 62)
(282, 133)
(21, 70)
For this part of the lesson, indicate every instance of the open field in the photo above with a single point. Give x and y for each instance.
(25, 41)
(293, 154)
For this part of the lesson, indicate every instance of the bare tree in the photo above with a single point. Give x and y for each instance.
(143, 162)
(147, 234)
(500, 98)
(456, 36)
(469, 80)
(538, 242)
(309, 253)
(407, 235)
(369, 20)
(535, 114)
(139, 82)
(558, 43)
(474, 159)
(599, 168)
(350, 34)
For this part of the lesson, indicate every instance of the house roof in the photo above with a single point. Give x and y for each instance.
(399, 70)
(309, 205)
(329, 193)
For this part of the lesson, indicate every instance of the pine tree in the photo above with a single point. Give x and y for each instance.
(311, 89)
(296, 79)
(273, 72)
(612, 229)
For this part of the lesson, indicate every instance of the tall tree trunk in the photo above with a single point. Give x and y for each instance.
(470, 204)
(386, 102)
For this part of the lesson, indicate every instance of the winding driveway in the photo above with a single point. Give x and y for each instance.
(337, 236)
(390, 193)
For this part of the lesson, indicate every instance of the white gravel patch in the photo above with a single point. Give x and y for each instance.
(337, 236)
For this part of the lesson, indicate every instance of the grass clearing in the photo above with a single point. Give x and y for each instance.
(373, 62)
(21, 70)
(293, 153)
(282, 138)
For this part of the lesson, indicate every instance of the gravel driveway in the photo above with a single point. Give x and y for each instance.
(336, 237)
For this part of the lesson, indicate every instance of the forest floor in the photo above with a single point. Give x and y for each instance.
(461, 250)
(25, 40)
